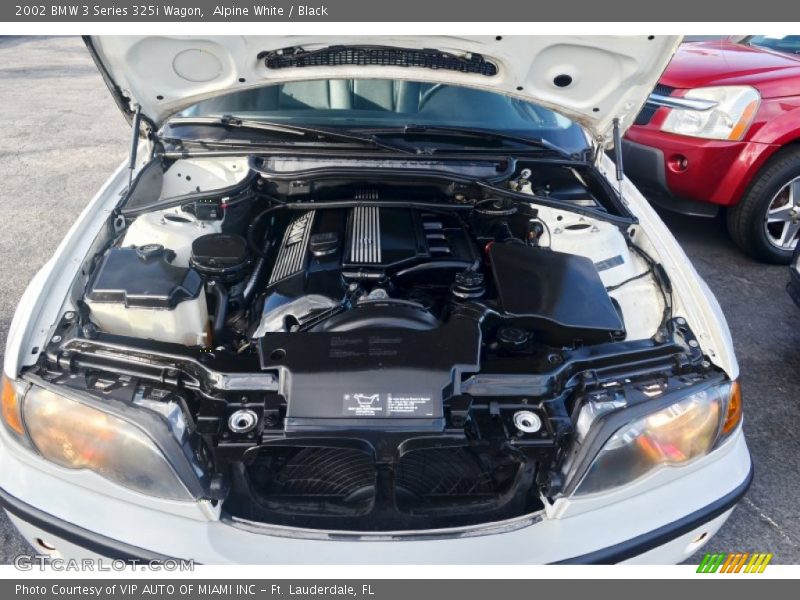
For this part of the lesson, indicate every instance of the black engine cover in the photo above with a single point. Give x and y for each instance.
(384, 237)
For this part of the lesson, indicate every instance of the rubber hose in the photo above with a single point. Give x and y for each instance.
(221, 310)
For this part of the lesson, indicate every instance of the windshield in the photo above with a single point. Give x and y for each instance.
(391, 103)
(790, 44)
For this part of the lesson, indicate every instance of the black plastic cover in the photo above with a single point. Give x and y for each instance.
(372, 378)
(561, 296)
(146, 280)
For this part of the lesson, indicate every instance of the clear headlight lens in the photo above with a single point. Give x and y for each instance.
(78, 436)
(728, 120)
(673, 436)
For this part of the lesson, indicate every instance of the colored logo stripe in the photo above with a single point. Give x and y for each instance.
(735, 562)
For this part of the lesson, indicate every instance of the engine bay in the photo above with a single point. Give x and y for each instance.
(382, 350)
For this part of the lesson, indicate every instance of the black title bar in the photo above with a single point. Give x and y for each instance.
(196, 11)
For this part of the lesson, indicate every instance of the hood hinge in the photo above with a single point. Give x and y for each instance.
(595, 152)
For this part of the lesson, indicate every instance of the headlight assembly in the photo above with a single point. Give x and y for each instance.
(672, 436)
(76, 435)
(732, 114)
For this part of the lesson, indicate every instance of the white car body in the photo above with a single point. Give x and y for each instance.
(79, 511)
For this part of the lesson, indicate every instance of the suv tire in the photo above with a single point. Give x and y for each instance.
(746, 220)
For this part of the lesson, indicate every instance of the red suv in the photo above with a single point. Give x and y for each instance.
(722, 129)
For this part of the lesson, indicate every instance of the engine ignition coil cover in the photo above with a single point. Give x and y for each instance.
(559, 295)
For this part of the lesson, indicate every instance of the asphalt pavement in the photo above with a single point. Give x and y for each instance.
(61, 136)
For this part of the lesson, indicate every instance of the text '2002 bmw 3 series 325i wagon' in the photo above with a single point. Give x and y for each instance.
(372, 300)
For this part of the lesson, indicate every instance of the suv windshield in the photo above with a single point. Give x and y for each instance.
(789, 44)
(392, 103)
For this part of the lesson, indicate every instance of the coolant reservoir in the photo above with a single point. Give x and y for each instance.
(138, 293)
(171, 228)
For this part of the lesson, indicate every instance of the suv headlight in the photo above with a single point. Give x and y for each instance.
(672, 436)
(735, 109)
(76, 435)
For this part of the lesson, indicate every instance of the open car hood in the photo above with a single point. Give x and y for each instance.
(590, 79)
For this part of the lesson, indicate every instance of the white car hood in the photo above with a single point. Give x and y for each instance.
(607, 76)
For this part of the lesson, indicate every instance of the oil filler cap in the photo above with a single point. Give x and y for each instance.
(324, 244)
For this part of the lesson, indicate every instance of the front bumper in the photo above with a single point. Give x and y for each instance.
(717, 172)
(659, 545)
(663, 518)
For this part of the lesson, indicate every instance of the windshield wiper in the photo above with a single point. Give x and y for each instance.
(477, 133)
(319, 133)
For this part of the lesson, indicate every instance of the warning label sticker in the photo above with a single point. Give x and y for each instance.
(409, 405)
(364, 405)
(388, 405)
